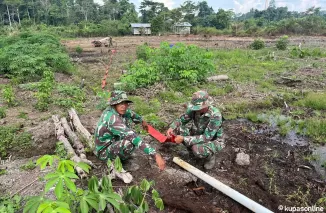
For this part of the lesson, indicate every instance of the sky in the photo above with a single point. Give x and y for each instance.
(243, 6)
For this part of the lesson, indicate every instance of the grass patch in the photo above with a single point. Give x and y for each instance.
(13, 139)
(155, 121)
(316, 129)
(172, 97)
(22, 115)
(218, 90)
(2, 112)
(70, 96)
(145, 107)
(315, 101)
(3, 172)
(30, 165)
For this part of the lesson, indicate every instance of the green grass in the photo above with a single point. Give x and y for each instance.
(316, 128)
(30, 165)
(315, 101)
(144, 107)
(23, 115)
(2, 112)
(172, 97)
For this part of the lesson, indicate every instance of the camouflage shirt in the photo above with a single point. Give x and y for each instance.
(113, 127)
(206, 127)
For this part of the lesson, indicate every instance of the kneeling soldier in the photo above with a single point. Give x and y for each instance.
(204, 137)
(113, 136)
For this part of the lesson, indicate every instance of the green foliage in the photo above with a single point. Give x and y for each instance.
(172, 97)
(27, 56)
(9, 95)
(145, 107)
(60, 151)
(13, 139)
(315, 101)
(30, 165)
(316, 128)
(302, 53)
(72, 97)
(103, 97)
(79, 50)
(282, 43)
(2, 112)
(257, 44)
(143, 52)
(154, 120)
(179, 63)
(70, 198)
(44, 92)
(10, 205)
(3, 172)
(22, 115)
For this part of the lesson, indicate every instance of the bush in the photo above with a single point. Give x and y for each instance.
(257, 44)
(79, 50)
(282, 43)
(28, 55)
(178, 63)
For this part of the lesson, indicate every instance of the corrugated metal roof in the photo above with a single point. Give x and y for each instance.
(182, 24)
(140, 25)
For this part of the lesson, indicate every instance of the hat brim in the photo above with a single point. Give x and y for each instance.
(199, 107)
(120, 101)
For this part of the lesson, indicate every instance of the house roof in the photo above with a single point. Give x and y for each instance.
(182, 24)
(140, 25)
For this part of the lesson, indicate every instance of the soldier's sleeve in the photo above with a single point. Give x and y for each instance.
(118, 128)
(211, 130)
(135, 117)
(183, 120)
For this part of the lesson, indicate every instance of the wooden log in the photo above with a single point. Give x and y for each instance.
(70, 151)
(80, 128)
(76, 142)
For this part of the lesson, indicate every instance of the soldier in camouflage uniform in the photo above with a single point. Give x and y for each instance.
(113, 136)
(204, 137)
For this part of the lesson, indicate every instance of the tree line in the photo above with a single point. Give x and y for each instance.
(87, 18)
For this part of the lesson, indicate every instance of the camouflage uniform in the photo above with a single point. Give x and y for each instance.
(204, 137)
(113, 136)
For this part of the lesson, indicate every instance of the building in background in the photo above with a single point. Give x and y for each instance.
(181, 28)
(140, 28)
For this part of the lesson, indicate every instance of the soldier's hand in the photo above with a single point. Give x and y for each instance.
(169, 133)
(145, 125)
(178, 139)
(160, 161)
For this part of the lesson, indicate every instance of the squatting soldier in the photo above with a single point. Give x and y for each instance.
(113, 136)
(204, 137)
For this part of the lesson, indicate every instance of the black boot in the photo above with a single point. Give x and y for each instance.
(210, 163)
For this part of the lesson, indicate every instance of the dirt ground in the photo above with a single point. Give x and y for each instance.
(277, 173)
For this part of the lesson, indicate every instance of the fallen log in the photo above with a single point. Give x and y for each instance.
(76, 142)
(80, 128)
(59, 131)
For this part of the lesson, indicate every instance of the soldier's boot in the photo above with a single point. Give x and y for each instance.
(210, 163)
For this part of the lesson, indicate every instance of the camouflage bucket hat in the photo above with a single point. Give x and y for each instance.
(200, 100)
(117, 97)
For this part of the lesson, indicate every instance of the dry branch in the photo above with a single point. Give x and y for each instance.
(80, 128)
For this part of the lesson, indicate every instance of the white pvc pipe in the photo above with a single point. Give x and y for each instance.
(235, 195)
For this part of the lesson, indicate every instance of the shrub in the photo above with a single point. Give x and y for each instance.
(282, 43)
(27, 56)
(79, 50)
(2, 112)
(257, 44)
(178, 63)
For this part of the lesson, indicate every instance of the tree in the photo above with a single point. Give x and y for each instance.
(150, 10)
(204, 10)
(223, 19)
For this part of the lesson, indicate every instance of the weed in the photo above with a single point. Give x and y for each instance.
(10, 204)
(257, 44)
(172, 97)
(315, 101)
(311, 157)
(215, 90)
(299, 197)
(13, 139)
(2, 112)
(155, 121)
(79, 50)
(2, 172)
(73, 97)
(44, 91)
(282, 43)
(9, 95)
(144, 108)
(270, 172)
(103, 97)
(22, 115)
(30, 165)
(316, 128)
(60, 151)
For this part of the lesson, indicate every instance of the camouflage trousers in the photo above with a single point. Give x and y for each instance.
(201, 150)
(123, 149)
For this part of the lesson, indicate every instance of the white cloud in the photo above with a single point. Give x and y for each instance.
(167, 3)
(243, 6)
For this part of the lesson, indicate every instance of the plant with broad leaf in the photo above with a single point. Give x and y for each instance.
(100, 193)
